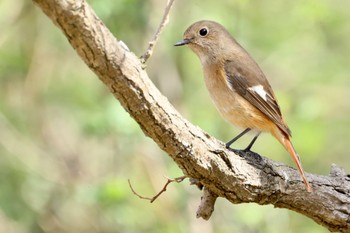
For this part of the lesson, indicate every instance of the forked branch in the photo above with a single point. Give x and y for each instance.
(152, 199)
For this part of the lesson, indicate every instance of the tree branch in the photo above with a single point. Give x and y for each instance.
(241, 177)
(152, 199)
(161, 26)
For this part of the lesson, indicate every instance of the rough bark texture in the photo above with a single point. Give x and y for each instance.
(238, 177)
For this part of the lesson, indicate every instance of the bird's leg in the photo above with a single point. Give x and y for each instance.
(238, 136)
(251, 143)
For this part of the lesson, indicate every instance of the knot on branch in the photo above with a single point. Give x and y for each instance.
(206, 207)
(337, 171)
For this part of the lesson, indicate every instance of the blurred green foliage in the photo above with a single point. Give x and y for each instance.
(67, 147)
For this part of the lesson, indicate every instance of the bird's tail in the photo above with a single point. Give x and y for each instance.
(285, 141)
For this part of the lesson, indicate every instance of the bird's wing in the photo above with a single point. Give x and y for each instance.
(252, 85)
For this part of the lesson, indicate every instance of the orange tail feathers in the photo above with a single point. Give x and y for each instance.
(289, 147)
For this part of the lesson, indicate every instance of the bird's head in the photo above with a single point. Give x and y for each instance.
(207, 39)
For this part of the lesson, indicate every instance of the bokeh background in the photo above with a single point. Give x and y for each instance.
(67, 147)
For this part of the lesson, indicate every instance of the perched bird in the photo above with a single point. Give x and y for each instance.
(237, 86)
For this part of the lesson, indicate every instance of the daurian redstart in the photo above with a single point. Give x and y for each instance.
(237, 86)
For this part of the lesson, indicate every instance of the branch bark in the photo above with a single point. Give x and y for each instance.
(238, 177)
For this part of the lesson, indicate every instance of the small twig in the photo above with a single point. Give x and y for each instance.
(161, 26)
(152, 199)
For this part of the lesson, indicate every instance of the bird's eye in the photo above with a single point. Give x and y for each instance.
(203, 32)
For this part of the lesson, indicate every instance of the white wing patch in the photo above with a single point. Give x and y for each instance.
(259, 89)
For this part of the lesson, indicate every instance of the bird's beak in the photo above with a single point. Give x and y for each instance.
(182, 42)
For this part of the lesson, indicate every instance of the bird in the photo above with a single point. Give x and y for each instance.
(238, 87)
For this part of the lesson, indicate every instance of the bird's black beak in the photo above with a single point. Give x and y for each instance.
(182, 42)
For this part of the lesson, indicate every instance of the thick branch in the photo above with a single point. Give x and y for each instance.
(238, 178)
